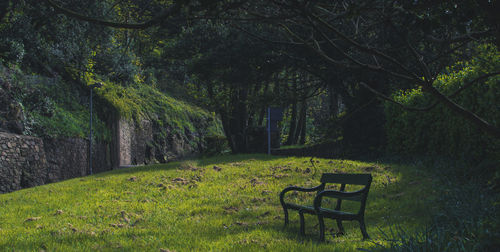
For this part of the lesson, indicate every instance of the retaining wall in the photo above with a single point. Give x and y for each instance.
(22, 162)
(29, 161)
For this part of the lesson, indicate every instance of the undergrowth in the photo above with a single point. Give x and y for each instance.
(467, 218)
(51, 107)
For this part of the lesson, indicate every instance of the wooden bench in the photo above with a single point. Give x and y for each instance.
(316, 209)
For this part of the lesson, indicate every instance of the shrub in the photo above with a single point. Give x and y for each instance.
(51, 107)
(216, 144)
(440, 131)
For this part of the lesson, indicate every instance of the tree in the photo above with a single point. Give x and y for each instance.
(409, 42)
(231, 71)
(406, 43)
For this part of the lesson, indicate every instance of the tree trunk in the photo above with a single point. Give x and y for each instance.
(291, 140)
(239, 120)
(301, 136)
(263, 109)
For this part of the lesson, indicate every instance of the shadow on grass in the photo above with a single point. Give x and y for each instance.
(396, 196)
(216, 160)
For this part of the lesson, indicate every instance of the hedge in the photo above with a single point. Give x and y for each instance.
(441, 131)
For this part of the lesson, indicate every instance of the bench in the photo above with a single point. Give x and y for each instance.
(336, 214)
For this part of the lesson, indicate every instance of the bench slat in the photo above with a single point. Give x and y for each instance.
(352, 179)
(342, 197)
(310, 210)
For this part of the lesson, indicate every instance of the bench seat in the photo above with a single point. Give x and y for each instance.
(310, 210)
(316, 209)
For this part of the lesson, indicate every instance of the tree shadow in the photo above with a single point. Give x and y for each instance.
(215, 160)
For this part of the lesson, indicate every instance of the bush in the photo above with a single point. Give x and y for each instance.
(441, 131)
(216, 144)
(51, 107)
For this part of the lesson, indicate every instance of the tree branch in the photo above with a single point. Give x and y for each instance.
(428, 108)
(166, 13)
(357, 62)
(385, 97)
(470, 116)
(362, 48)
(318, 51)
(264, 39)
(463, 38)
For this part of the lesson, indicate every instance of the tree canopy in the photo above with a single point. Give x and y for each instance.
(330, 64)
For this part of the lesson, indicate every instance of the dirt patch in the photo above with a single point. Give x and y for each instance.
(255, 182)
(267, 213)
(230, 209)
(180, 181)
(240, 223)
(278, 176)
(32, 219)
(281, 168)
(117, 225)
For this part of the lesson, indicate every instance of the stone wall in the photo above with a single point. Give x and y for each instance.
(125, 134)
(144, 144)
(134, 142)
(29, 161)
(68, 158)
(22, 162)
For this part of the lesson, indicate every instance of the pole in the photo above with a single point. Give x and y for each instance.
(95, 85)
(269, 131)
(90, 137)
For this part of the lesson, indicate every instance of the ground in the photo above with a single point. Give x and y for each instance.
(221, 203)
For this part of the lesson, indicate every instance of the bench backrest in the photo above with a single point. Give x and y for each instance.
(351, 179)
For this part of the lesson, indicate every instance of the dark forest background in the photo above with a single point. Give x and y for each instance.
(367, 77)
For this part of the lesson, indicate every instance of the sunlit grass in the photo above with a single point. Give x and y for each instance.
(224, 203)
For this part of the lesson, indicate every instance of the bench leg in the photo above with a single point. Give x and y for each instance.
(339, 225)
(321, 228)
(286, 215)
(363, 229)
(302, 223)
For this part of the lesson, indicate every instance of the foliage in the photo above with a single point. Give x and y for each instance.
(216, 144)
(140, 101)
(223, 203)
(441, 132)
(466, 220)
(51, 107)
(217, 78)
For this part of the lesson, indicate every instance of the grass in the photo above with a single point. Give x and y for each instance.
(286, 147)
(143, 101)
(223, 203)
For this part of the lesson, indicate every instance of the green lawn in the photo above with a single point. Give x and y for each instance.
(223, 203)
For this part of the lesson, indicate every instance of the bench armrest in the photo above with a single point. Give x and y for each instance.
(336, 194)
(300, 189)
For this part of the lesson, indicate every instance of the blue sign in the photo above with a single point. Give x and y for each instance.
(276, 114)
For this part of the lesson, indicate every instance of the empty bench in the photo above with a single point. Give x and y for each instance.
(336, 213)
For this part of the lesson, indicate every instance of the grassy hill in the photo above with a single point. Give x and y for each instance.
(223, 203)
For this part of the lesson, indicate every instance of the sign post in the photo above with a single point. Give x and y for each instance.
(274, 115)
(269, 131)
